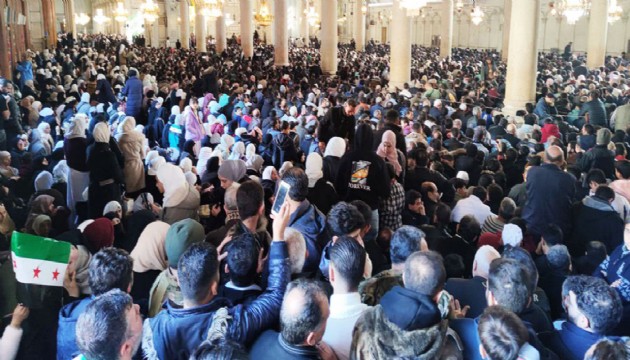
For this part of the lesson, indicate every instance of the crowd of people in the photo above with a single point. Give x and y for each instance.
(220, 207)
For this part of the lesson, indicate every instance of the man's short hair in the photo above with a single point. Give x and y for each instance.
(424, 273)
(525, 259)
(605, 193)
(606, 348)
(298, 181)
(302, 315)
(553, 235)
(196, 270)
(507, 208)
(599, 302)
(559, 257)
(220, 348)
(509, 283)
(364, 209)
(596, 175)
(392, 115)
(480, 192)
(406, 241)
(344, 218)
(230, 198)
(469, 228)
(296, 247)
(102, 328)
(443, 213)
(249, 198)
(501, 333)
(242, 259)
(411, 197)
(347, 257)
(110, 268)
(623, 166)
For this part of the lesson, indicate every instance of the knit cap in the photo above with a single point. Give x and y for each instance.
(179, 237)
(512, 235)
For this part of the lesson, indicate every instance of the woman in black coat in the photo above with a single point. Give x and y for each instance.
(106, 176)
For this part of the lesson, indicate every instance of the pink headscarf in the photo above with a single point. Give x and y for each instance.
(389, 154)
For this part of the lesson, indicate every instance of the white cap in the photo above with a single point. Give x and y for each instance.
(463, 175)
(512, 235)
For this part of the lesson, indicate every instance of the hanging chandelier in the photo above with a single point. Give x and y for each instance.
(413, 7)
(120, 13)
(82, 19)
(263, 16)
(476, 15)
(212, 8)
(573, 10)
(615, 12)
(150, 11)
(311, 15)
(100, 18)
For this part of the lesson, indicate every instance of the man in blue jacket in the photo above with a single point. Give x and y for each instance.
(305, 217)
(110, 268)
(593, 308)
(133, 90)
(176, 333)
(594, 110)
(550, 194)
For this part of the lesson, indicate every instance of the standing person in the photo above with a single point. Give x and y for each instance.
(594, 110)
(550, 194)
(132, 148)
(106, 176)
(363, 174)
(338, 121)
(195, 130)
(75, 149)
(133, 90)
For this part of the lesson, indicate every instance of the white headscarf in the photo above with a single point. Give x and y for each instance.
(238, 151)
(186, 165)
(77, 126)
(175, 185)
(153, 154)
(336, 147)
(155, 164)
(253, 160)
(191, 178)
(268, 172)
(175, 110)
(101, 133)
(149, 253)
(60, 172)
(204, 154)
(127, 126)
(314, 166)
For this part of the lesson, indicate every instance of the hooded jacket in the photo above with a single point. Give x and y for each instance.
(362, 173)
(405, 325)
(133, 92)
(311, 223)
(67, 348)
(595, 219)
(283, 150)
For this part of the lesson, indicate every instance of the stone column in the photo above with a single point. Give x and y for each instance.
(281, 33)
(184, 30)
(48, 14)
(400, 47)
(521, 69)
(446, 43)
(200, 30)
(5, 69)
(247, 28)
(221, 35)
(303, 22)
(597, 34)
(359, 25)
(329, 38)
(70, 20)
(507, 15)
(155, 34)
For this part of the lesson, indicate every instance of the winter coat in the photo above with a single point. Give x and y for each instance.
(599, 157)
(337, 123)
(67, 348)
(194, 127)
(176, 333)
(323, 195)
(105, 93)
(133, 90)
(405, 325)
(283, 150)
(571, 341)
(106, 179)
(550, 194)
(131, 146)
(311, 223)
(594, 220)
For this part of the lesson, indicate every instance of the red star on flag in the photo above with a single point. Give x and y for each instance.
(55, 274)
(14, 264)
(36, 272)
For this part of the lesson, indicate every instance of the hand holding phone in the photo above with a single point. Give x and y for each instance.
(280, 198)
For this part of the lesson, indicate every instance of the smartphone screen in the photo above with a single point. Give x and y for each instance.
(281, 196)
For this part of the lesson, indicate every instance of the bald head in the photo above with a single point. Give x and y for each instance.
(304, 313)
(554, 155)
(424, 273)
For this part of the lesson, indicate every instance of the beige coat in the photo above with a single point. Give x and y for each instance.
(131, 146)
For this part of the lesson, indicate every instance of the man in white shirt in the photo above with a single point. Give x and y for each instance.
(347, 262)
(472, 205)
